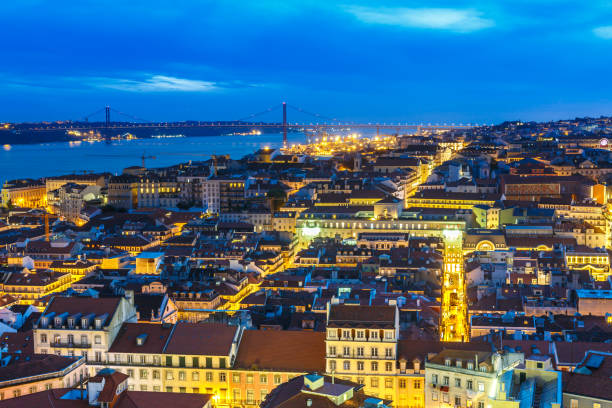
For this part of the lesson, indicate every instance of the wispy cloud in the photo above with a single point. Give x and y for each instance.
(603, 32)
(157, 83)
(451, 19)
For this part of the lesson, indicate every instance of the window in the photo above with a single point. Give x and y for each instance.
(143, 387)
(573, 403)
(130, 358)
(262, 394)
(434, 379)
(169, 375)
(388, 334)
(182, 376)
(236, 378)
(209, 362)
(480, 404)
(195, 376)
(374, 382)
(98, 356)
(402, 383)
(332, 350)
(469, 385)
(388, 367)
(130, 373)
(277, 379)
(346, 365)
(222, 377)
(445, 397)
(346, 351)
(360, 334)
(263, 379)
(360, 351)
(236, 394)
(156, 360)
(144, 374)
(416, 384)
(221, 363)
(71, 339)
(209, 376)
(250, 396)
(43, 338)
(195, 362)
(156, 388)
(360, 366)
(483, 369)
(457, 382)
(447, 362)
(445, 381)
(434, 395)
(388, 352)
(181, 361)
(480, 386)
(33, 390)
(249, 379)
(346, 334)
(169, 361)
(143, 359)
(98, 339)
(388, 382)
(373, 334)
(332, 365)
(168, 389)
(457, 401)
(155, 374)
(374, 366)
(596, 405)
(182, 390)
(374, 351)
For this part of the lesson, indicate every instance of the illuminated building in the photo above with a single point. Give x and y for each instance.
(363, 346)
(31, 285)
(24, 193)
(454, 324)
(443, 199)
(74, 326)
(463, 378)
(349, 222)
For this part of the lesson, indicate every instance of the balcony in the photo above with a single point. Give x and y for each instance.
(65, 344)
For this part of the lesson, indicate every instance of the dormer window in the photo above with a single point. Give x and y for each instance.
(71, 322)
(98, 323)
(84, 323)
(58, 322)
(447, 362)
(459, 363)
(470, 365)
(483, 369)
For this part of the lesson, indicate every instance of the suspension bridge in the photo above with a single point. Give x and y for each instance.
(319, 122)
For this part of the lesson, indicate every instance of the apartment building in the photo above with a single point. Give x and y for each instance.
(80, 326)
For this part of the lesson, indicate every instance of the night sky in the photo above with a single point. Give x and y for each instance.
(410, 61)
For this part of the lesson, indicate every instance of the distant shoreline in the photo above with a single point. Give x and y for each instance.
(24, 136)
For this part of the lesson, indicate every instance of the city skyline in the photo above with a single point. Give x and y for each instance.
(405, 61)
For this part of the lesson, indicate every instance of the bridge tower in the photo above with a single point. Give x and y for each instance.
(284, 124)
(107, 119)
(454, 323)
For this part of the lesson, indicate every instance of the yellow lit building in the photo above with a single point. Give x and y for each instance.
(31, 285)
(24, 193)
(362, 345)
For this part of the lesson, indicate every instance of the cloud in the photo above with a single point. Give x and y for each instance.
(157, 83)
(458, 20)
(603, 32)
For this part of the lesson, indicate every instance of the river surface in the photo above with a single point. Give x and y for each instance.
(54, 159)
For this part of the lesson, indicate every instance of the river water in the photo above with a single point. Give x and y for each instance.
(54, 159)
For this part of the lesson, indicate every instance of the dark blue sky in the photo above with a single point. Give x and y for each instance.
(468, 61)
